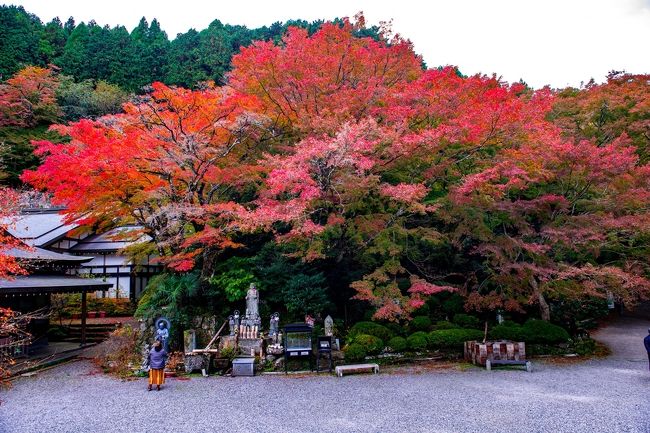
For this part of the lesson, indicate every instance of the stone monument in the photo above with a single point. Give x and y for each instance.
(251, 324)
(329, 326)
(248, 331)
(189, 340)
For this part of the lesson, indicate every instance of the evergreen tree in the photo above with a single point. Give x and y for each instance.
(20, 35)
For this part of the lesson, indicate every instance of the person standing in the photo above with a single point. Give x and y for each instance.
(157, 359)
(646, 343)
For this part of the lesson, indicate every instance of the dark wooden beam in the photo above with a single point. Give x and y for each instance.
(83, 318)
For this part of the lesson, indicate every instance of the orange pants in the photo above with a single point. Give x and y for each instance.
(156, 376)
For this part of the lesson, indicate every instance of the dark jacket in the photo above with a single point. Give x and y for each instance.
(646, 342)
(157, 359)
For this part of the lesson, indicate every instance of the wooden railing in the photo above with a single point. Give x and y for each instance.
(14, 347)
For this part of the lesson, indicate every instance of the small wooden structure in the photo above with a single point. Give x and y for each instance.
(493, 353)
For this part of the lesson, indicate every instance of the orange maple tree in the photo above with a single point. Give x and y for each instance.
(29, 97)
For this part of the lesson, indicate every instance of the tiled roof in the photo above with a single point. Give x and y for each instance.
(31, 284)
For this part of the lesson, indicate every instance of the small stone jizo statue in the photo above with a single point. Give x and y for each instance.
(231, 325)
(236, 318)
(274, 327)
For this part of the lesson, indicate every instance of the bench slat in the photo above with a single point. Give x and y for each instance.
(356, 368)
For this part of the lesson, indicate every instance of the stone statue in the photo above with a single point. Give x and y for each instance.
(274, 327)
(252, 303)
(236, 318)
(162, 332)
(231, 324)
(329, 326)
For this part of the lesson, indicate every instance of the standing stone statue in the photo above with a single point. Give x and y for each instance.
(329, 326)
(231, 324)
(162, 332)
(252, 303)
(274, 326)
(236, 318)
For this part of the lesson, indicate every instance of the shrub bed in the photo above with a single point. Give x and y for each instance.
(397, 344)
(354, 352)
(420, 323)
(532, 332)
(444, 324)
(452, 339)
(417, 341)
(371, 328)
(467, 321)
(371, 344)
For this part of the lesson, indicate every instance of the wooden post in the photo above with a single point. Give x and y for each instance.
(83, 318)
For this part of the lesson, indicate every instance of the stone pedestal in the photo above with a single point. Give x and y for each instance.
(196, 361)
(251, 346)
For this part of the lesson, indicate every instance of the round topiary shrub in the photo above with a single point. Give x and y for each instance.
(420, 323)
(444, 324)
(397, 344)
(396, 329)
(372, 345)
(417, 341)
(452, 339)
(354, 352)
(542, 332)
(371, 328)
(508, 331)
(467, 321)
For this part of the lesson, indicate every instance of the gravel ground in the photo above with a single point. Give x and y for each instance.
(608, 395)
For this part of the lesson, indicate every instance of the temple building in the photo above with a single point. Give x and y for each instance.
(61, 259)
(99, 254)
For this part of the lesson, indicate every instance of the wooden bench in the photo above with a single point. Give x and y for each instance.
(495, 362)
(356, 368)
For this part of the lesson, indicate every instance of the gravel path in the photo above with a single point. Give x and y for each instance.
(609, 395)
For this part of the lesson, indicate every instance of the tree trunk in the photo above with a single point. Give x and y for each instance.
(544, 309)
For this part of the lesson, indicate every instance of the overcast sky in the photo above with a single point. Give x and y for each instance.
(556, 42)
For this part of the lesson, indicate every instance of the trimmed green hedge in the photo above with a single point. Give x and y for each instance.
(467, 321)
(420, 323)
(542, 332)
(444, 324)
(354, 352)
(417, 341)
(452, 339)
(532, 332)
(371, 328)
(397, 344)
(508, 331)
(372, 345)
